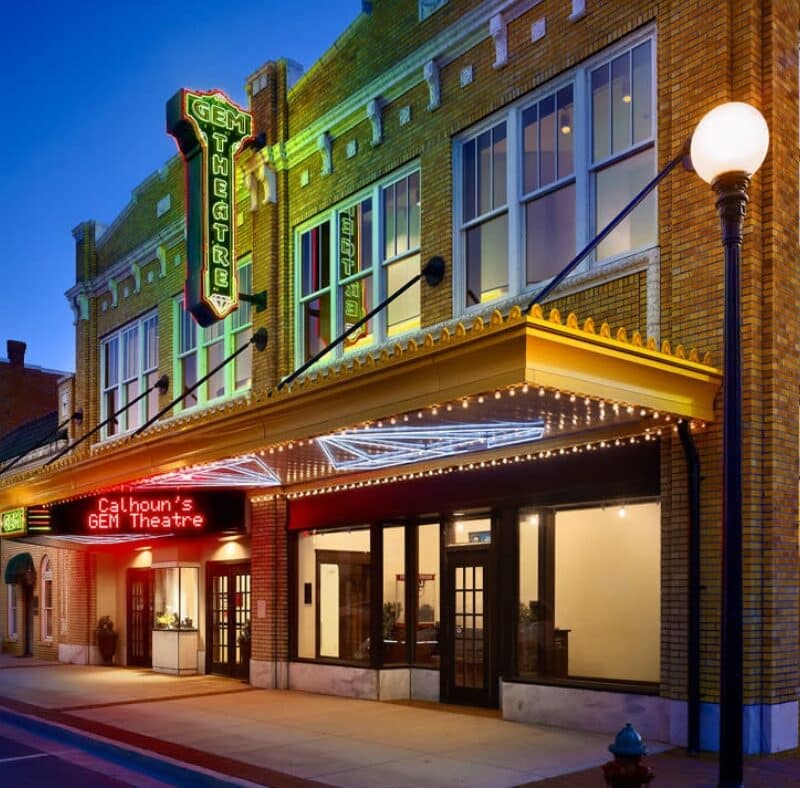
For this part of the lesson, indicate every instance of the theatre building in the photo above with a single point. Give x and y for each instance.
(410, 476)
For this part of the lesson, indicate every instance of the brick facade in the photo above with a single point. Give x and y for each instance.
(705, 54)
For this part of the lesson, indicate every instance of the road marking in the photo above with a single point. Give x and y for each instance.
(27, 757)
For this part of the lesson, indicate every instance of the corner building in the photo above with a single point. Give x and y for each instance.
(466, 500)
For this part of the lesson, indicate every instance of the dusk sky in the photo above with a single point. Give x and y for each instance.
(85, 86)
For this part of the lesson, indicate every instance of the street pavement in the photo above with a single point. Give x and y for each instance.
(293, 739)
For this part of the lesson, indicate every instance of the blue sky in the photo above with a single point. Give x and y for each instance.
(86, 84)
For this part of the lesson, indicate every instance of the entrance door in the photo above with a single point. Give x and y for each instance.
(228, 604)
(343, 604)
(468, 669)
(140, 617)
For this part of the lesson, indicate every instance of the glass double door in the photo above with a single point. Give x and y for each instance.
(228, 603)
(468, 664)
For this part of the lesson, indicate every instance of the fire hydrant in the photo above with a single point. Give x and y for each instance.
(627, 770)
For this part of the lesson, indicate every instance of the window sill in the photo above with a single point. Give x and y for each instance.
(599, 685)
(600, 273)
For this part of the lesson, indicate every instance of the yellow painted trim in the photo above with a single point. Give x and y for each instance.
(461, 361)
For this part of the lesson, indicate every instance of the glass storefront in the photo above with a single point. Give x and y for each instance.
(582, 606)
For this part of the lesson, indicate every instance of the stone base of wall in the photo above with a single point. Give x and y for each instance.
(424, 684)
(74, 655)
(269, 675)
(592, 710)
(768, 728)
(349, 682)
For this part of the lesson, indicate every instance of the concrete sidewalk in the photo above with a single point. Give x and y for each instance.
(281, 738)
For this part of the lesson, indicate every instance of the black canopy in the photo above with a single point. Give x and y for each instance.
(17, 566)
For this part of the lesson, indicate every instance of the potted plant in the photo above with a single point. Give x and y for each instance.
(106, 639)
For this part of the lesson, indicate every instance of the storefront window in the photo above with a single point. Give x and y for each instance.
(175, 597)
(426, 651)
(393, 620)
(589, 593)
(334, 595)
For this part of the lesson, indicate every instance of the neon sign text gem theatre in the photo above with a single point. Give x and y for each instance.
(210, 131)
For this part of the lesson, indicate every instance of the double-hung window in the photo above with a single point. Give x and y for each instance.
(536, 182)
(352, 257)
(129, 367)
(485, 214)
(201, 351)
(623, 151)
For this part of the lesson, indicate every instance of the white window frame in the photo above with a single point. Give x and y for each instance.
(141, 375)
(46, 613)
(380, 265)
(584, 175)
(12, 602)
(239, 323)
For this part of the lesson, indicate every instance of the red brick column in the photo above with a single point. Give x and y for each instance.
(270, 578)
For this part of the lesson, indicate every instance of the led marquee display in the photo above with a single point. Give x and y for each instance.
(210, 131)
(172, 511)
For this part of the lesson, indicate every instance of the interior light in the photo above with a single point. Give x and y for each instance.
(622, 513)
(626, 99)
(564, 122)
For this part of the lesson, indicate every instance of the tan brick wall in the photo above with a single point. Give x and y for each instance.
(73, 599)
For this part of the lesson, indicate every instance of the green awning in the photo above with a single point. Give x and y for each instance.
(17, 566)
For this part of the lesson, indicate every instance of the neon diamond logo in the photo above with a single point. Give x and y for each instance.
(248, 471)
(382, 447)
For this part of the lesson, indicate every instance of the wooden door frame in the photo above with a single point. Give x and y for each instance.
(147, 573)
(451, 557)
(212, 570)
(340, 557)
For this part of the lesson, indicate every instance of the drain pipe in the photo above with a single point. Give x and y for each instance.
(693, 645)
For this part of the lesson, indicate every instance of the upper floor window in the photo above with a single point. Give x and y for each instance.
(128, 368)
(352, 258)
(201, 351)
(534, 184)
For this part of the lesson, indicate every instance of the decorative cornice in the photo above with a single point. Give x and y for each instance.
(449, 44)
(141, 255)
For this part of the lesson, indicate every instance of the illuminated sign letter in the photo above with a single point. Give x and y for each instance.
(210, 131)
(13, 522)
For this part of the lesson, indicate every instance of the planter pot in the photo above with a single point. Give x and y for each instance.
(107, 644)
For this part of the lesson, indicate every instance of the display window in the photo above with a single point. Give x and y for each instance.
(589, 594)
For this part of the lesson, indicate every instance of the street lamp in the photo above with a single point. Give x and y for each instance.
(728, 146)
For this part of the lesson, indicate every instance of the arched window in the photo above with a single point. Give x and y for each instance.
(47, 599)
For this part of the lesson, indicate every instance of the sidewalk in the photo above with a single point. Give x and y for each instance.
(294, 739)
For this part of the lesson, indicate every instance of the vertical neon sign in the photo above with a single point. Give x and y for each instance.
(210, 131)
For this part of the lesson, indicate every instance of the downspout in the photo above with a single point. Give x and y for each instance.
(693, 645)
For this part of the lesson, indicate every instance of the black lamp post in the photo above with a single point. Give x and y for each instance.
(728, 146)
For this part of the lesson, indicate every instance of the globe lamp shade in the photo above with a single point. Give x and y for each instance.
(732, 137)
